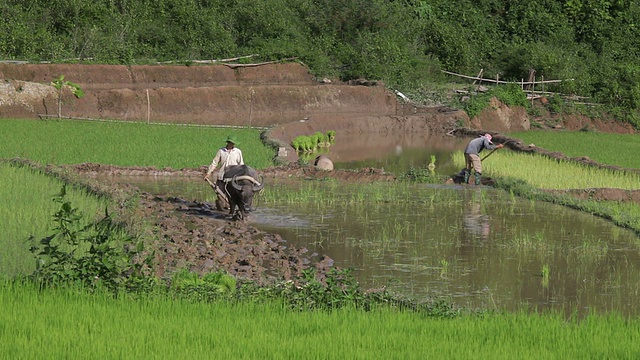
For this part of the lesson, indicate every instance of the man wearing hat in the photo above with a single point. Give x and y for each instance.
(225, 157)
(472, 157)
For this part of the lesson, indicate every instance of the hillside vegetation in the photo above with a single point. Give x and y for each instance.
(591, 45)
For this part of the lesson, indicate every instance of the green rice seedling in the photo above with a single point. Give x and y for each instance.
(432, 165)
(545, 273)
(612, 149)
(546, 173)
(125, 144)
(26, 208)
(70, 323)
(444, 267)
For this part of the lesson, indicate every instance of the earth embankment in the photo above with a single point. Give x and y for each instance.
(259, 96)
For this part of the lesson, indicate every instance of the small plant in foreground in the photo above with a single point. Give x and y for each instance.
(444, 267)
(423, 175)
(96, 255)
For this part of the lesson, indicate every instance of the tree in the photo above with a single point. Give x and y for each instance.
(60, 83)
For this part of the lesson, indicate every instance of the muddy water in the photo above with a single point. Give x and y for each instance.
(395, 153)
(479, 247)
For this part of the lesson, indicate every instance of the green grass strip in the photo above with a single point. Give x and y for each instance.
(70, 324)
(125, 144)
(612, 149)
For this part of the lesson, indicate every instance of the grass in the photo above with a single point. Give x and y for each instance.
(613, 149)
(545, 173)
(69, 323)
(26, 208)
(125, 144)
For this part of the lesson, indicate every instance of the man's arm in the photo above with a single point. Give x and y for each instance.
(489, 146)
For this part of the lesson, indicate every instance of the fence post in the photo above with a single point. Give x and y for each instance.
(148, 108)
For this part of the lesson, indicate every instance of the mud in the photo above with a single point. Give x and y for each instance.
(195, 236)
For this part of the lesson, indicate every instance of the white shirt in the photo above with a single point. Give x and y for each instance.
(225, 157)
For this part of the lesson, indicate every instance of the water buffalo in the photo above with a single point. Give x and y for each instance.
(241, 183)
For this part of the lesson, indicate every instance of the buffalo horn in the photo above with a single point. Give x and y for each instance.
(257, 185)
(246, 177)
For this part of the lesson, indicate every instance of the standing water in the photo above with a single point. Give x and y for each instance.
(479, 247)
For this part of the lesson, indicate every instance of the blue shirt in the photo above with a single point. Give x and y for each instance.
(475, 146)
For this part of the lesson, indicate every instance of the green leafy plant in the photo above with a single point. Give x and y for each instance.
(60, 83)
(98, 254)
(511, 95)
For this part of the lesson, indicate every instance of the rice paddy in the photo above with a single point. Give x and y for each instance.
(490, 241)
(70, 323)
(26, 208)
(125, 144)
(612, 149)
(484, 245)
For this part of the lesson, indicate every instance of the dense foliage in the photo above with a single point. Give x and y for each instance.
(592, 45)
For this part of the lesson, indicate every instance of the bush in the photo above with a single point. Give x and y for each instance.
(96, 255)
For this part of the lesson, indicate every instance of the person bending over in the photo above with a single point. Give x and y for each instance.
(472, 156)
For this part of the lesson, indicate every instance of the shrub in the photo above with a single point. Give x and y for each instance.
(96, 255)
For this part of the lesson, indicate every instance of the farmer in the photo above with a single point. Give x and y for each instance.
(472, 157)
(226, 156)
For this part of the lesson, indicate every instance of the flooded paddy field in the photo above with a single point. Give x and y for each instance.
(479, 247)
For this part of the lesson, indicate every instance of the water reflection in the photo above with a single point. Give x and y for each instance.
(395, 153)
(475, 220)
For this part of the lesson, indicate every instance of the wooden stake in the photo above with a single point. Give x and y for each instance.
(148, 108)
